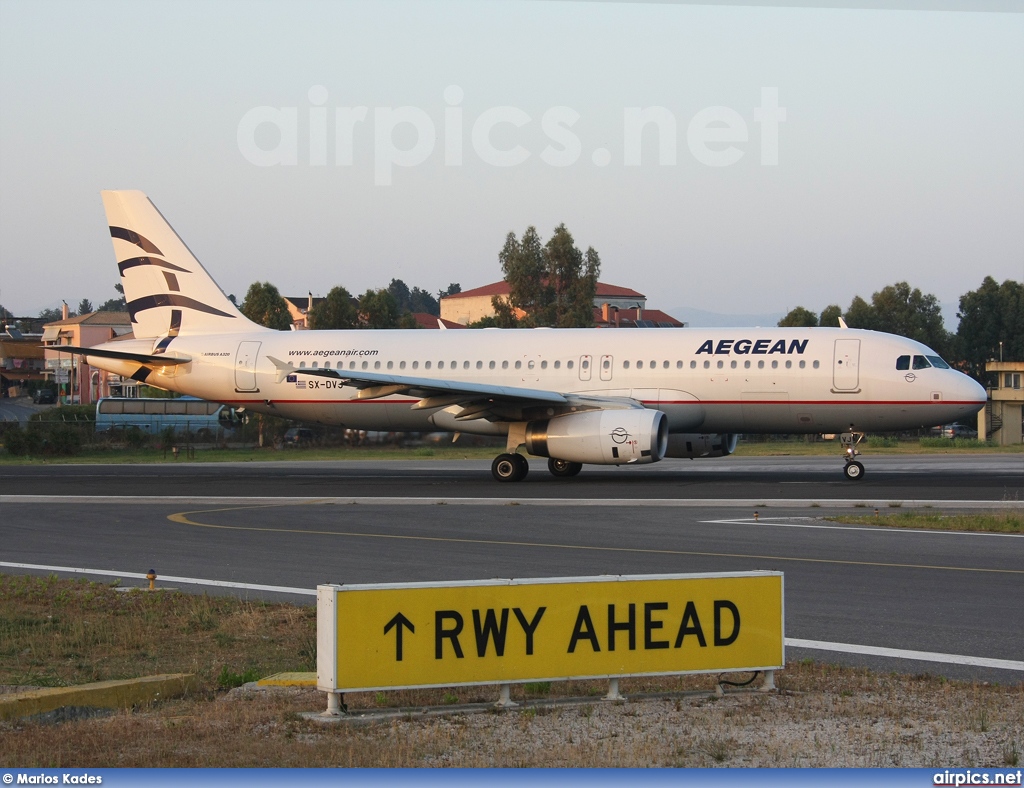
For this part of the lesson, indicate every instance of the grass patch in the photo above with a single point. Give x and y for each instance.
(58, 632)
(1008, 522)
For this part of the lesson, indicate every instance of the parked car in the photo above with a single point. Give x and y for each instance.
(44, 396)
(958, 431)
(298, 436)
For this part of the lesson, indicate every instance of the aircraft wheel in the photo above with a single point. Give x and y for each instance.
(564, 469)
(509, 467)
(854, 471)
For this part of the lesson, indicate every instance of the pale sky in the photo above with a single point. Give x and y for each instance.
(901, 155)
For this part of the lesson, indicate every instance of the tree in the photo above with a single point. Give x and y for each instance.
(452, 289)
(114, 304)
(990, 315)
(415, 300)
(552, 284)
(85, 306)
(336, 310)
(898, 309)
(50, 315)
(799, 318)
(263, 304)
(377, 309)
(830, 315)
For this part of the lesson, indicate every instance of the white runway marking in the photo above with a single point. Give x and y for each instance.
(818, 645)
(632, 503)
(769, 523)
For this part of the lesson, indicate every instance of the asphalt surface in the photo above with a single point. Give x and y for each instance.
(992, 477)
(296, 525)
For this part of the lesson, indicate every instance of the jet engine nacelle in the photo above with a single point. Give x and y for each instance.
(693, 446)
(601, 437)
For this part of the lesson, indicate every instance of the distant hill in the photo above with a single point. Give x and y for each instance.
(700, 318)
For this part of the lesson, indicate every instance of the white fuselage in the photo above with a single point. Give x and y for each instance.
(771, 380)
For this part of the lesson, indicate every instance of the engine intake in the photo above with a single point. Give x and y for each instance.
(601, 437)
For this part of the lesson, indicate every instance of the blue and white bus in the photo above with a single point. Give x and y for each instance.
(205, 420)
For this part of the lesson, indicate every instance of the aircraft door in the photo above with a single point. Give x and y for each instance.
(846, 365)
(245, 366)
(606, 367)
(586, 362)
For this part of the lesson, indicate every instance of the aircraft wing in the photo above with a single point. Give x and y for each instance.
(474, 400)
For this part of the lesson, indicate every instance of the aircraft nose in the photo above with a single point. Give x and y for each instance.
(969, 390)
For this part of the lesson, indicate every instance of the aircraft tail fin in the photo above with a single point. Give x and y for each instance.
(168, 291)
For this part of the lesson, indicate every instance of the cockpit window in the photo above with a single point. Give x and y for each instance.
(920, 362)
(937, 362)
(903, 362)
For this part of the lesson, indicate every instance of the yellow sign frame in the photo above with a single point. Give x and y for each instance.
(414, 635)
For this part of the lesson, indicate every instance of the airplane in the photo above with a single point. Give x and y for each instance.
(574, 396)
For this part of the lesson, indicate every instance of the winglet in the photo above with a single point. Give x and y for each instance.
(842, 323)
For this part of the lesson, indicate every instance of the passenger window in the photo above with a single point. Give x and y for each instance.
(585, 364)
(558, 364)
(679, 365)
(693, 365)
(351, 365)
(519, 365)
(490, 365)
(639, 365)
(401, 365)
(654, 365)
(376, 365)
(531, 364)
(775, 365)
(760, 364)
(302, 365)
(504, 365)
(721, 364)
(465, 365)
(568, 365)
(802, 363)
(746, 364)
(664, 364)
(920, 362)
(426, 365)
(391, 365)
(903, 362)
(366, 364)
(625, 365)
(315, 365)
(479, 365)
(415, 365)
(816, 364)
(327, 365)
(789, 364)
(543, 365)
(707, 365)
(732, 364)
(606, 364)
(440, 365)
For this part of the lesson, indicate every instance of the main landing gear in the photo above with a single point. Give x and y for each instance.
(854, 470)
(510, 467)
(514, 467)
(564, 469)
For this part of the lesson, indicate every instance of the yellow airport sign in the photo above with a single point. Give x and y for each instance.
(373, 637)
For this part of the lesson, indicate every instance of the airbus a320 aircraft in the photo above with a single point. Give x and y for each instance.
(575, 396)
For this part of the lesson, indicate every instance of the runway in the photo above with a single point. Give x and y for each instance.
(294, 525)
(990, 477)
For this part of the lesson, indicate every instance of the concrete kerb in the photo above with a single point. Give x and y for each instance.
(100, 694)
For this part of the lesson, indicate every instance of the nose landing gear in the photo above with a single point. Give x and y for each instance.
(854, 470)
